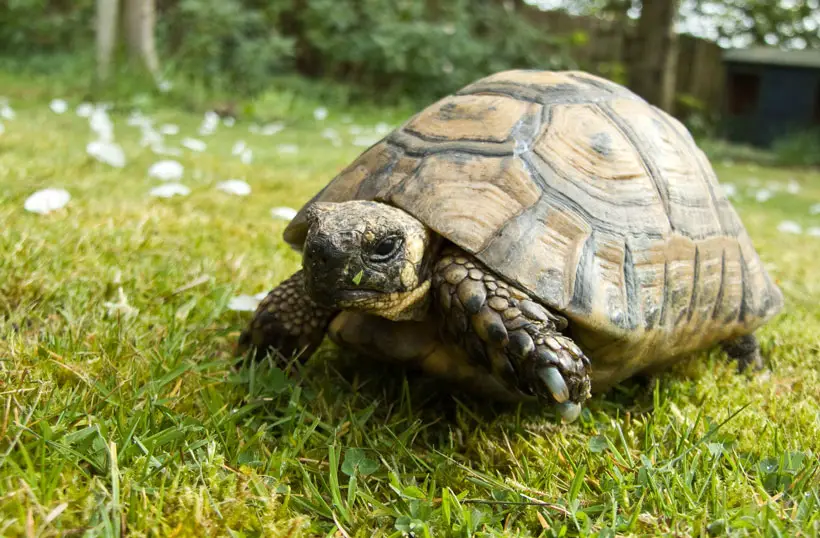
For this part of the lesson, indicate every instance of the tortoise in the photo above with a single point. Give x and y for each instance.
(535, 236)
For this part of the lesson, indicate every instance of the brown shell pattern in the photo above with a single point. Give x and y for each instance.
(576, 190)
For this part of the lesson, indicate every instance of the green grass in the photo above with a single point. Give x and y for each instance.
(113, 425)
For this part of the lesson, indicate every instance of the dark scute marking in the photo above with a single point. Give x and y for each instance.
(418, 146)
(584, 287)
(609, 87)
(633, 301)
(537, 166)
(370, 185)
(703, 174)
(745, 290)
(664, 293)
(602, 144)
(719, 298)
(657, 179)
(545, 95)
(695, 278)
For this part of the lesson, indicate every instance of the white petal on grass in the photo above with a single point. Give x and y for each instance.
(165, 86)
(814, 231)
(47, 200)
(287, 148)
(138, 119)
(209, 123)
(283, 213)
(790, 227)
(228, 121)
(382, 128)
(333, 136)
(150, 137)
(169, 190)
(101, 124)
(729, 189)
(814, 210)
(247, 156)
(84, 110)
(238, 148)
(271, 129)
(261, 295)
(106, 152)
(234, 186)
(6, 112)
(167, 170)
(355, 129)
(793, 187)
(763, 195)
(165, 151)
(194, 144)
(243, 303)
(58, 106)
(320, 114)
(169, 129)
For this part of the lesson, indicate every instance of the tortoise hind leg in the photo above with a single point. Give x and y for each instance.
(746, 351)
(287, 321)
(517, 339)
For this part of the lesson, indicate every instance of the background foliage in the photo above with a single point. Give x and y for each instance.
(382, 47)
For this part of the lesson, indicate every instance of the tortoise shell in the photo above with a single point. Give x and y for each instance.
(587, 197)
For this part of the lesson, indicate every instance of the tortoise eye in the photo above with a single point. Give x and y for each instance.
(386, 249)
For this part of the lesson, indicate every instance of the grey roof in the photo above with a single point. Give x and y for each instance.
(772, 56)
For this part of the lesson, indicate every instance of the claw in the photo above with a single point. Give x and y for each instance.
(569, 411)
(554, 381)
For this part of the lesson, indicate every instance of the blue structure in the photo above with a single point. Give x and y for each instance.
(771, 93)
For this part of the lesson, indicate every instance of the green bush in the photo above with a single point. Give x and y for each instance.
(382, 48)
(224, 43)
(46, 25)
(419, 47)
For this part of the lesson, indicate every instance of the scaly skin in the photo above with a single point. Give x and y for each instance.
(287, 321)
(515, 337)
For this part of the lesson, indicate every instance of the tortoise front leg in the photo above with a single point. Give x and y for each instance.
(416, 344)
(518, 339)
(286, 321)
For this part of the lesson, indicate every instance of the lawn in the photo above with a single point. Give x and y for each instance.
(124, 411)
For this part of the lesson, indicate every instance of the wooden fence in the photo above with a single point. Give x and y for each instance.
(606, 49)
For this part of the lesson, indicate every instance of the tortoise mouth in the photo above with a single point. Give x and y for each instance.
(343, 297)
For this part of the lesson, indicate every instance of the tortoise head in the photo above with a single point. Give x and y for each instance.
(367, 256)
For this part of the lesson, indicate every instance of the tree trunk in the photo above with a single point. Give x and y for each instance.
(139, 22)
(106, 35)
(654, 57)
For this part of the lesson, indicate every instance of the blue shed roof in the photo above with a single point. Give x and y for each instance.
(773, 56)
